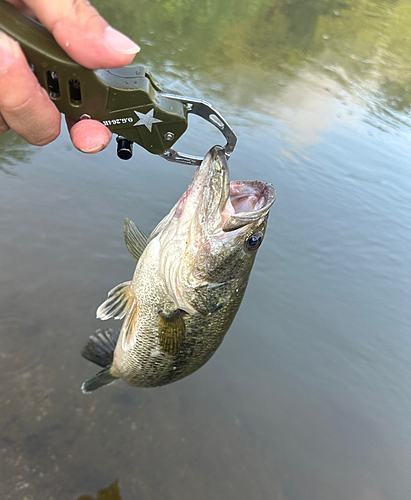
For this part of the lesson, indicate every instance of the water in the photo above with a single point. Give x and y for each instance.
(308, 398)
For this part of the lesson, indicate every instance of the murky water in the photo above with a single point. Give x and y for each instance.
(308, 398)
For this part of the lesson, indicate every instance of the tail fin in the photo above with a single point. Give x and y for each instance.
(100, 347)
(101, 378)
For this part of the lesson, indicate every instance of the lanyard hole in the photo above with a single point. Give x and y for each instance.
(53, 84)
(75, 92)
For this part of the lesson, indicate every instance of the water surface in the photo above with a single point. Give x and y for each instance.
(308, 398)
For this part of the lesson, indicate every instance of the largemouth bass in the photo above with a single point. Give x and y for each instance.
(189, 281)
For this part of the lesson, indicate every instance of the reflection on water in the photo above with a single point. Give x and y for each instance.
(364, 45)
(13, 150)
(112, 492)
(308, 396)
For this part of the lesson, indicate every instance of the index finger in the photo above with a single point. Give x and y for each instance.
(84, 34)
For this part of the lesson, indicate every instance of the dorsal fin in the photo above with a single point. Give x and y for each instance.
(119, 301)
(136, 240)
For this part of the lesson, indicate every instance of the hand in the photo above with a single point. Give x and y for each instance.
(25, 106)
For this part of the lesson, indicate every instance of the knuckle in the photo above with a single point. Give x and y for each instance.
(20, 103)
(84, 11)
(3, 125)
(80, 4)
(34, 117)
(4, 128)
(10, 52)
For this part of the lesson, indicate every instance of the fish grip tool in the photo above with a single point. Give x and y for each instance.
(126, 100)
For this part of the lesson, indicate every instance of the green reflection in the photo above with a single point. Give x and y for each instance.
(112, 492)
(13, 150)
(364, 45)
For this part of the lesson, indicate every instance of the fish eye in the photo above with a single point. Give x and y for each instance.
(254, 241)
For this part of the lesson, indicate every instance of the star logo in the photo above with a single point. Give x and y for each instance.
(146, 119)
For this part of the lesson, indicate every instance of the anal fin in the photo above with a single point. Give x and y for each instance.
(100, 347)
(99, 380)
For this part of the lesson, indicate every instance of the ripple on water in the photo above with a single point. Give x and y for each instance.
(18, 344)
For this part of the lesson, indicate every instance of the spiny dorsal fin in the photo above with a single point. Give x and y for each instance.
(104, 377)
(100, 347)
(128, 330)
(171, 331)
(118, 303)
(136, 240)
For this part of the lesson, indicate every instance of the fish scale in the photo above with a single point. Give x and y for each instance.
(145, 370)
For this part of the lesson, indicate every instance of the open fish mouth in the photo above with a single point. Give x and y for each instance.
(212, 203)
(248, 201)
(250, 196)
(220, 204)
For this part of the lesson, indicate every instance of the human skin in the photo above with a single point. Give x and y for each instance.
(25, 106)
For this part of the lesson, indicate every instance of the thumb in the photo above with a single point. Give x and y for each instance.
(84, 34)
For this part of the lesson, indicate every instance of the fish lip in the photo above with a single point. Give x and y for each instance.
(229, 205)
(209, 190)
(218, 153)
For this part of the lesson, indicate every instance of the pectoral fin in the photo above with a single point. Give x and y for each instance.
(171, 331)
(118, 303)
(136, 240)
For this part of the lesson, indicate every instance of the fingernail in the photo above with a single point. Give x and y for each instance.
(93, 150)
(8, 51)
(120, 42)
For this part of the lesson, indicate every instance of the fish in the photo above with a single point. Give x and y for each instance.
(189, 281)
